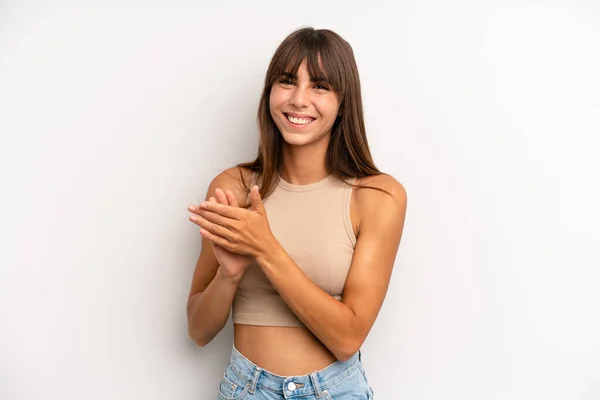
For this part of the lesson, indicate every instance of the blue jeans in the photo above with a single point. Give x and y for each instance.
(342, 380)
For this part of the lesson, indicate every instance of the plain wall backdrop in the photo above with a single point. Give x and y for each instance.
(115, 116)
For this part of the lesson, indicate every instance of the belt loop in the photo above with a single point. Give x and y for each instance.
(315, 382)
(257, 372)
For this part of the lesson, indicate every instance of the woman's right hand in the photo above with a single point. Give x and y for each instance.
(232, 265)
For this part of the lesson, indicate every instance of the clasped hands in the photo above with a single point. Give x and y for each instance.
(236, 229)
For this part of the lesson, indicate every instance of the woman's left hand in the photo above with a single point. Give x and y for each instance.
(236, 229)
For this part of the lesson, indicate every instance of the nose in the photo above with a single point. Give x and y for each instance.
(299, 98)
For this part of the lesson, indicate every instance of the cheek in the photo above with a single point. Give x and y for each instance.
(273, 106)
(276, 98)
(327, 109)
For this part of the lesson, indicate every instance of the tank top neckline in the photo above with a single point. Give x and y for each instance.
(292, 187)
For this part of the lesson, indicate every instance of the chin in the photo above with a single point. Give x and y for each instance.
(296, 139)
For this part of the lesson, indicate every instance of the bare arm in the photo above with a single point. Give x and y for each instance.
(209, 310)
(343, 326)
(212, 293)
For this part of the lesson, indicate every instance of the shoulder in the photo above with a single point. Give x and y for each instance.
(374, 205)
(383, 181)
(371, 197)
(236, 179)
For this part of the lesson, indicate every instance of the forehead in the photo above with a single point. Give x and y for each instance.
(314, 68)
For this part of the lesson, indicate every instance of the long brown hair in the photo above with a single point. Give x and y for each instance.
(348, 153)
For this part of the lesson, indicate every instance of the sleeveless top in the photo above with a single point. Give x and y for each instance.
(312, 223)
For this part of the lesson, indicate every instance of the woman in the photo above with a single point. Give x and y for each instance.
(305, 283)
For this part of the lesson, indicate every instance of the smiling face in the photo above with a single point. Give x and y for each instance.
(304, 110)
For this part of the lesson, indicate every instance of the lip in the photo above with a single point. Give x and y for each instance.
(298, 126)
(299, 115)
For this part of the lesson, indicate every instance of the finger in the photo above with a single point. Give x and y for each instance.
(231, 197)
(225, 211)
(217, 240)
(256, 201)
(218, 219)
(197, 209)
(212, 227)
(221, 197)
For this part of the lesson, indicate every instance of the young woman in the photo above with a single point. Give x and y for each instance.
(300, 242)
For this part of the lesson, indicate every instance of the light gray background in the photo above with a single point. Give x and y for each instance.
(116, 116)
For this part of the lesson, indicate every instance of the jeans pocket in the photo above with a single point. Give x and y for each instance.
(364, 376)
(232, 386)
(354, 386)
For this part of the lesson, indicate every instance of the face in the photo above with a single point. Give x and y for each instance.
(311, 106)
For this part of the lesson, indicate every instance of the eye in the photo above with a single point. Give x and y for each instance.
(286, 81)
(322, 87)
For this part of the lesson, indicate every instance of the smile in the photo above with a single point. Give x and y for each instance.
(299, 121)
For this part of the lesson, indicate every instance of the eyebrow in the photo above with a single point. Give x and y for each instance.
(314, 79)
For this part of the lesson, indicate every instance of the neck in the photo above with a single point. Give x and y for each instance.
(303, 165)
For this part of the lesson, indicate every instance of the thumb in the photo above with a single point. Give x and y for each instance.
(256, 201)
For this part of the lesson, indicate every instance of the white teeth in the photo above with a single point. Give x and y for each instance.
(299, 121)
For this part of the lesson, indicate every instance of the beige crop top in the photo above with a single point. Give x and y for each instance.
(312, 223)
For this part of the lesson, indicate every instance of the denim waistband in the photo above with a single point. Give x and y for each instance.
(293, 386)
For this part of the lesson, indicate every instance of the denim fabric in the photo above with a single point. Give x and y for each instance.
(342, 380)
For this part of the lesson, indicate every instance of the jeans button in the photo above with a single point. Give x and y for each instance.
(291, 386)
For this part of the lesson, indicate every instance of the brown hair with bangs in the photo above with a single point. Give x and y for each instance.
(348, 153)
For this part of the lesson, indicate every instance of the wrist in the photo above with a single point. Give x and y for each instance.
(270, 253)
(226, 279)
